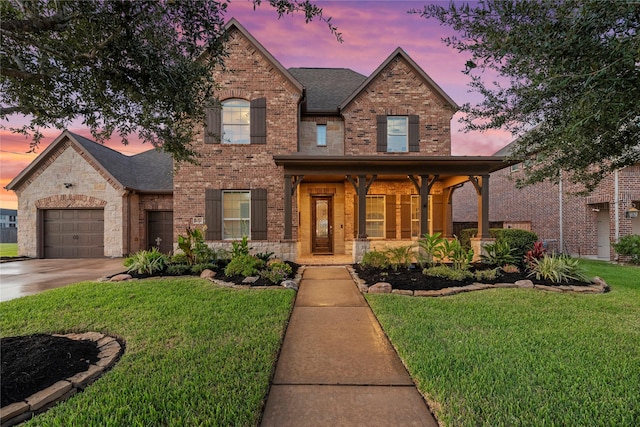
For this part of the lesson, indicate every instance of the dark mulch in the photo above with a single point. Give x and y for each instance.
(34, 362)
(413, 279)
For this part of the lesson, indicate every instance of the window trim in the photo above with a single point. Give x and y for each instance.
(415, 201)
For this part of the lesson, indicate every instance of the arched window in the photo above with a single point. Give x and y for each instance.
(236, 127)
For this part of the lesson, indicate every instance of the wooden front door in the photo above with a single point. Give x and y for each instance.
(322, 225)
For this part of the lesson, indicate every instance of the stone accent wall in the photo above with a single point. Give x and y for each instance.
(335, 136)
(540, 205)
(89, 189)
(249, 75)
(398, 90)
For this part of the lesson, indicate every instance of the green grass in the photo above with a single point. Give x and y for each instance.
(509, 357)
(195, 354)
(8, 249)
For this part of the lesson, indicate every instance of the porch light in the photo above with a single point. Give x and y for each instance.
(632, 212)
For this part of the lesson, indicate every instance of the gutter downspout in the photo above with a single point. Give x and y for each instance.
(616, 204)
(561, 210)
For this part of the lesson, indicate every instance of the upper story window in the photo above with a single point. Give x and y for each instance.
(236, 122)
(321, 135)
(397, 134)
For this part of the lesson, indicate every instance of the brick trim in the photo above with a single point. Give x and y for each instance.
(70, 201)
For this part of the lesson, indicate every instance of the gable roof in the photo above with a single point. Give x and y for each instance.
(326, 88)
(401, 53)
(150, 171)
(233, 23)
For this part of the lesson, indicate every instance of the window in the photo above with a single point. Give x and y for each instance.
(321, 135)
(236, 214)
(235, 122)
(415, 215)
(397, 134)
(375, 217)
(515, 168)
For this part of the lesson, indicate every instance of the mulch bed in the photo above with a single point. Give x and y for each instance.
(412, 279)
(32, 363)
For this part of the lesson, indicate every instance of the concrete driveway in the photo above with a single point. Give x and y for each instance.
(28, 277)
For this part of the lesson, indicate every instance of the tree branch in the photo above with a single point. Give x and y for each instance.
(55, 22)
(12, 73)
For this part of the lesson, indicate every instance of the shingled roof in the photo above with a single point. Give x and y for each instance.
(327, 88)
(150, 171)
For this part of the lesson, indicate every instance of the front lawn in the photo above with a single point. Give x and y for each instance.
(524, 357)
(8, 249)
(196, 354)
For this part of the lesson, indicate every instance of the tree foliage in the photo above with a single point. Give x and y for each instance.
(132, 67)
(568, 80)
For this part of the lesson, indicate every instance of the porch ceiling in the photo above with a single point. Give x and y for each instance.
(445, 166)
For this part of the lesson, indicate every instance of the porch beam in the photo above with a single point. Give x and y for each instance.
(415, 182)
(482, 188)
(363, 188)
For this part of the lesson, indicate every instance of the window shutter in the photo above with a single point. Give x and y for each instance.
(390, 216)
(381, 145)
(213, 124)
(258, 214)
(258, 121)
(213, 214)
(437, 207)
(414, 133)
(405, 216)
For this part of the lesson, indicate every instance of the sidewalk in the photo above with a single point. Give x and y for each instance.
(337, 367)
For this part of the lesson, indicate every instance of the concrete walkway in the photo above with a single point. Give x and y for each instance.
(337, 367)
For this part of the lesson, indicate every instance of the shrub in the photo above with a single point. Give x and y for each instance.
(520, 241)
(460, 257)
(243, 265)
(498, 254)
(375, 259)
(146, 262)
(240, 248)
(179, 258)
(402, 256)
(264, 256)
(629, 246)
(178, 269)
(538, 252)
(510, 268)
(276, 272)
(194, 247)
(199, 268)
(447, 273)
(558, 269)
(492, 274)
(431, 247)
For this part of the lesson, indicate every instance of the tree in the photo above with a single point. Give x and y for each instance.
(132, 67)
(568, 80)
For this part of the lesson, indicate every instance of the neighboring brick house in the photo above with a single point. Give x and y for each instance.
(81, 199)
(304, 162)
(582, 226)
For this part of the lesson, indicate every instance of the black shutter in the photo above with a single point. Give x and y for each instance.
(213, 214)
(390, 220)
(381, 145)
(258, 214)
(355, 216)
(414, 133)
(258, 121)
(213, 124)
(405, 216)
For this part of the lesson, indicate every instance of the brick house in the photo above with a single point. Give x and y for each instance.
(582, 226)
(317, 161)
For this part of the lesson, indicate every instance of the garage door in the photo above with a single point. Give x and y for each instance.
(73, 233)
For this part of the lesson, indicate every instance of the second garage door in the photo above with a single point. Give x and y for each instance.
(73, 233)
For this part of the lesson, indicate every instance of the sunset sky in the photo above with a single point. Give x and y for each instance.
(371, 31)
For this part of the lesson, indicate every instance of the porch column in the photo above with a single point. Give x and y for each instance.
(291, 182)
(482, 189)
(362, 206)
(287, 207)
(424, 190)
